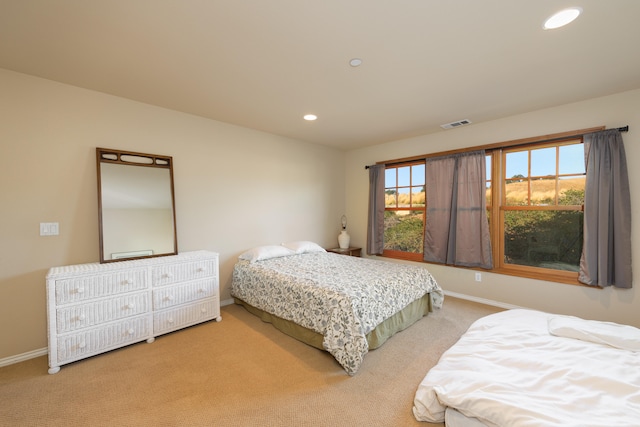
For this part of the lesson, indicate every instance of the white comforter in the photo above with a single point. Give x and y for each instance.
(509, 369)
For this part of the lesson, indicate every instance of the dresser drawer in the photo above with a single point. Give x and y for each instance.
(179, 294)
(180, 317)
(173, 273)
(74, 317)
(108, 337)
(88, 287)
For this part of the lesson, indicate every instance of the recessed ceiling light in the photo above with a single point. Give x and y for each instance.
(562, 18)
(310, 117)
(355, 62)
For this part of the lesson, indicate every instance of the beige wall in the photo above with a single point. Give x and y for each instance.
(612, 111)
(235, 188)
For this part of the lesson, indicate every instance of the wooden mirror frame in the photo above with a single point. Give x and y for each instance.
(135, 160)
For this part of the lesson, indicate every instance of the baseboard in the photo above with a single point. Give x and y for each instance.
(24, 356)
(43, 351)
(226, 302)
(482, 300)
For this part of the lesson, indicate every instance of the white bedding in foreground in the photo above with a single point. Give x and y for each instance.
(509, 370)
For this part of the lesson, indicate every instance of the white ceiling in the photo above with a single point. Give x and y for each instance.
(264, 64)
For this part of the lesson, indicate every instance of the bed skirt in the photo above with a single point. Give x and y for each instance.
(396, 323)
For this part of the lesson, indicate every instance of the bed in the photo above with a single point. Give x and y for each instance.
(529, 368)
(342, 304)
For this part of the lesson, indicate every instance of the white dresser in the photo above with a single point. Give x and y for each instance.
(94, 308)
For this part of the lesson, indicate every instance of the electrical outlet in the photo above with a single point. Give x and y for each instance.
(478, 277)
(49, 229)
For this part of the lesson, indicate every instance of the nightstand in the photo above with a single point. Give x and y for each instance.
(346, 251)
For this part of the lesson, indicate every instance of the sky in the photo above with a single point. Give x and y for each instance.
(543, 161)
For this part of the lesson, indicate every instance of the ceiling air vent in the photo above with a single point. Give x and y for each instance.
(456, 124)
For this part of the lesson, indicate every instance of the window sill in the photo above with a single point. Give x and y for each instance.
(557, 276)
(406, 256)
(547, 275)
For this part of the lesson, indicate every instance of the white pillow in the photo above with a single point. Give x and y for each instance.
(612, 334)
(303, 246)
(266, 252)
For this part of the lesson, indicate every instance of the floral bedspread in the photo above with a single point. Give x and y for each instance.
(341, 297)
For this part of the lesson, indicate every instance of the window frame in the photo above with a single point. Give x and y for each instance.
(498, 198)
(411, 256)
(496, 216)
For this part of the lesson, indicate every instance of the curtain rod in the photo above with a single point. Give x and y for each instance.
(620, 129)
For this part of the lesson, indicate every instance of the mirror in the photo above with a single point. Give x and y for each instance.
(136, 207)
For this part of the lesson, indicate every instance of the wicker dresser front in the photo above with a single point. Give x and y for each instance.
(94, 308)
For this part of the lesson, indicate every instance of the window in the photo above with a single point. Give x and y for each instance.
(404, 211)
(534, 197)
(540, 217)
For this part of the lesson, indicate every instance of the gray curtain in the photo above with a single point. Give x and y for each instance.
(606, 250)
(456, 229)
(375, 229)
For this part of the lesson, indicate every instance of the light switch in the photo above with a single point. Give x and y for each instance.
(49, 229)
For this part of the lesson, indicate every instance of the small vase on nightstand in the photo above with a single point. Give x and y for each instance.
(344, 239)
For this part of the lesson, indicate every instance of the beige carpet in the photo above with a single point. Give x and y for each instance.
(239, 372)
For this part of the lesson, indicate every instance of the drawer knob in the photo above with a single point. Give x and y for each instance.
(127, 282)
(203, 310)
(79, 290)
(167, 275)
(82, 345)
(130, 306)
(168, 298)
(170, 320)
(131, 331)
(201, 269)
(81, 317)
